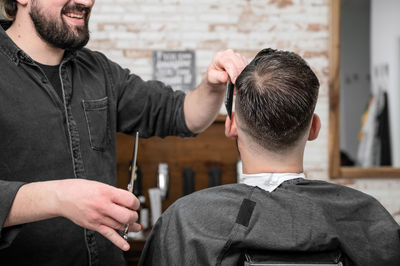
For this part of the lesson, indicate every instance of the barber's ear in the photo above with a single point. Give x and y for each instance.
(315, 127)
(230, 127)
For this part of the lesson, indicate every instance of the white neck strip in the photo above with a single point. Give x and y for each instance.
(268, 181)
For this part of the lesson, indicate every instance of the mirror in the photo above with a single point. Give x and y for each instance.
(364, 79)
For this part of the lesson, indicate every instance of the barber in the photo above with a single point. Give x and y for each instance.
(60, 107)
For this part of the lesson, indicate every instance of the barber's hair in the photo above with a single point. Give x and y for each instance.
(8, 9)
(276, 96)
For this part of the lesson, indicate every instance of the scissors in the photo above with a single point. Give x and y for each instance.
(133, 177)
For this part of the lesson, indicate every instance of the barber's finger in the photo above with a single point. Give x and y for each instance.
(125, 198)
(244, 60)
(233, 64)
(113, 236)
(238, 67)
(135, 227)
(217, 76)
(228, 65)
(121, 214)
(110, 222)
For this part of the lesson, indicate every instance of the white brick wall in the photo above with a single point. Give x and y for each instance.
(127, 31)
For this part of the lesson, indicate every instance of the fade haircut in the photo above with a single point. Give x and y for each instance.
(8, 9)
(275, 98)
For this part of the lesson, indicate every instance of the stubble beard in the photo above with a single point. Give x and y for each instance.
(56, 32)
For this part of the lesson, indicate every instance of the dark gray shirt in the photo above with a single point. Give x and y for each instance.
(216, 225)
(43, 137)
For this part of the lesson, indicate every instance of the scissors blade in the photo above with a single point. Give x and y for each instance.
(133, 177)
(133, 165)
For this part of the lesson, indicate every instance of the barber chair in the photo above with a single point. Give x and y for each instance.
(273, 258)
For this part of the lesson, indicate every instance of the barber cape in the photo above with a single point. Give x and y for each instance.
(215, 226)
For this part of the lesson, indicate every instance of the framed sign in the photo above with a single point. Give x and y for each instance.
(175, 68)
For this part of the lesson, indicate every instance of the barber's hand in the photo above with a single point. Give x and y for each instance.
(99, 207)
(202, 105)
(223, 64)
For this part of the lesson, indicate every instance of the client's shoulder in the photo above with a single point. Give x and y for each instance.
(223, 199)
(229, 192)
(325, 190)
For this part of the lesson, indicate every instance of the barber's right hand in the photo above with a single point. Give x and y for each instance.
(99, 207)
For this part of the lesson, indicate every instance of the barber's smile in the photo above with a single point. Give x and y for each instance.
(76, 14)
(75, 17)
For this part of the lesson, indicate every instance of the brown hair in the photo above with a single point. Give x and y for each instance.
(8, 9)
(275, 98)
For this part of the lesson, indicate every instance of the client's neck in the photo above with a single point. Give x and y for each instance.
(256, 161)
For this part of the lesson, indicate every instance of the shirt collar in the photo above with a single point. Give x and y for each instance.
(7, 46)
(268, 181)
(15, 53)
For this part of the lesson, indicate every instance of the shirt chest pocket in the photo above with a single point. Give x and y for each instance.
(97, 119)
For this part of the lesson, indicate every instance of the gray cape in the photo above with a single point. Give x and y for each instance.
(214, 226)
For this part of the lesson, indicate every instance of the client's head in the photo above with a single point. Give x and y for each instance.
(276, 96)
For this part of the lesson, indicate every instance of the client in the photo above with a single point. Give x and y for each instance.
(275, 208)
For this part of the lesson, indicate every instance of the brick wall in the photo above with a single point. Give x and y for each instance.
(128, 31)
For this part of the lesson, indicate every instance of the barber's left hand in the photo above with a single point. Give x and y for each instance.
(223, 64)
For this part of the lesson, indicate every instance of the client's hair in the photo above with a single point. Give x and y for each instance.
(275, 98)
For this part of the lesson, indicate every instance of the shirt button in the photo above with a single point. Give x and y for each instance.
(44, 80)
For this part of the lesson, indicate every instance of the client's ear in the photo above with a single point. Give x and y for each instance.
(315, 127)
(230, 127)
(23, 2)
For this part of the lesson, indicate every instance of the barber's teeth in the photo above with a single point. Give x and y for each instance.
(72, 15)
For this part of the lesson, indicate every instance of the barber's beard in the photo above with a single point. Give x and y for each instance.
(57, 32)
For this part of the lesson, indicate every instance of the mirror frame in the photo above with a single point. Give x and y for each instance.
(335, 169)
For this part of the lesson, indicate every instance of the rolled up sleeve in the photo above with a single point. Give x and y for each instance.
(8, 190)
